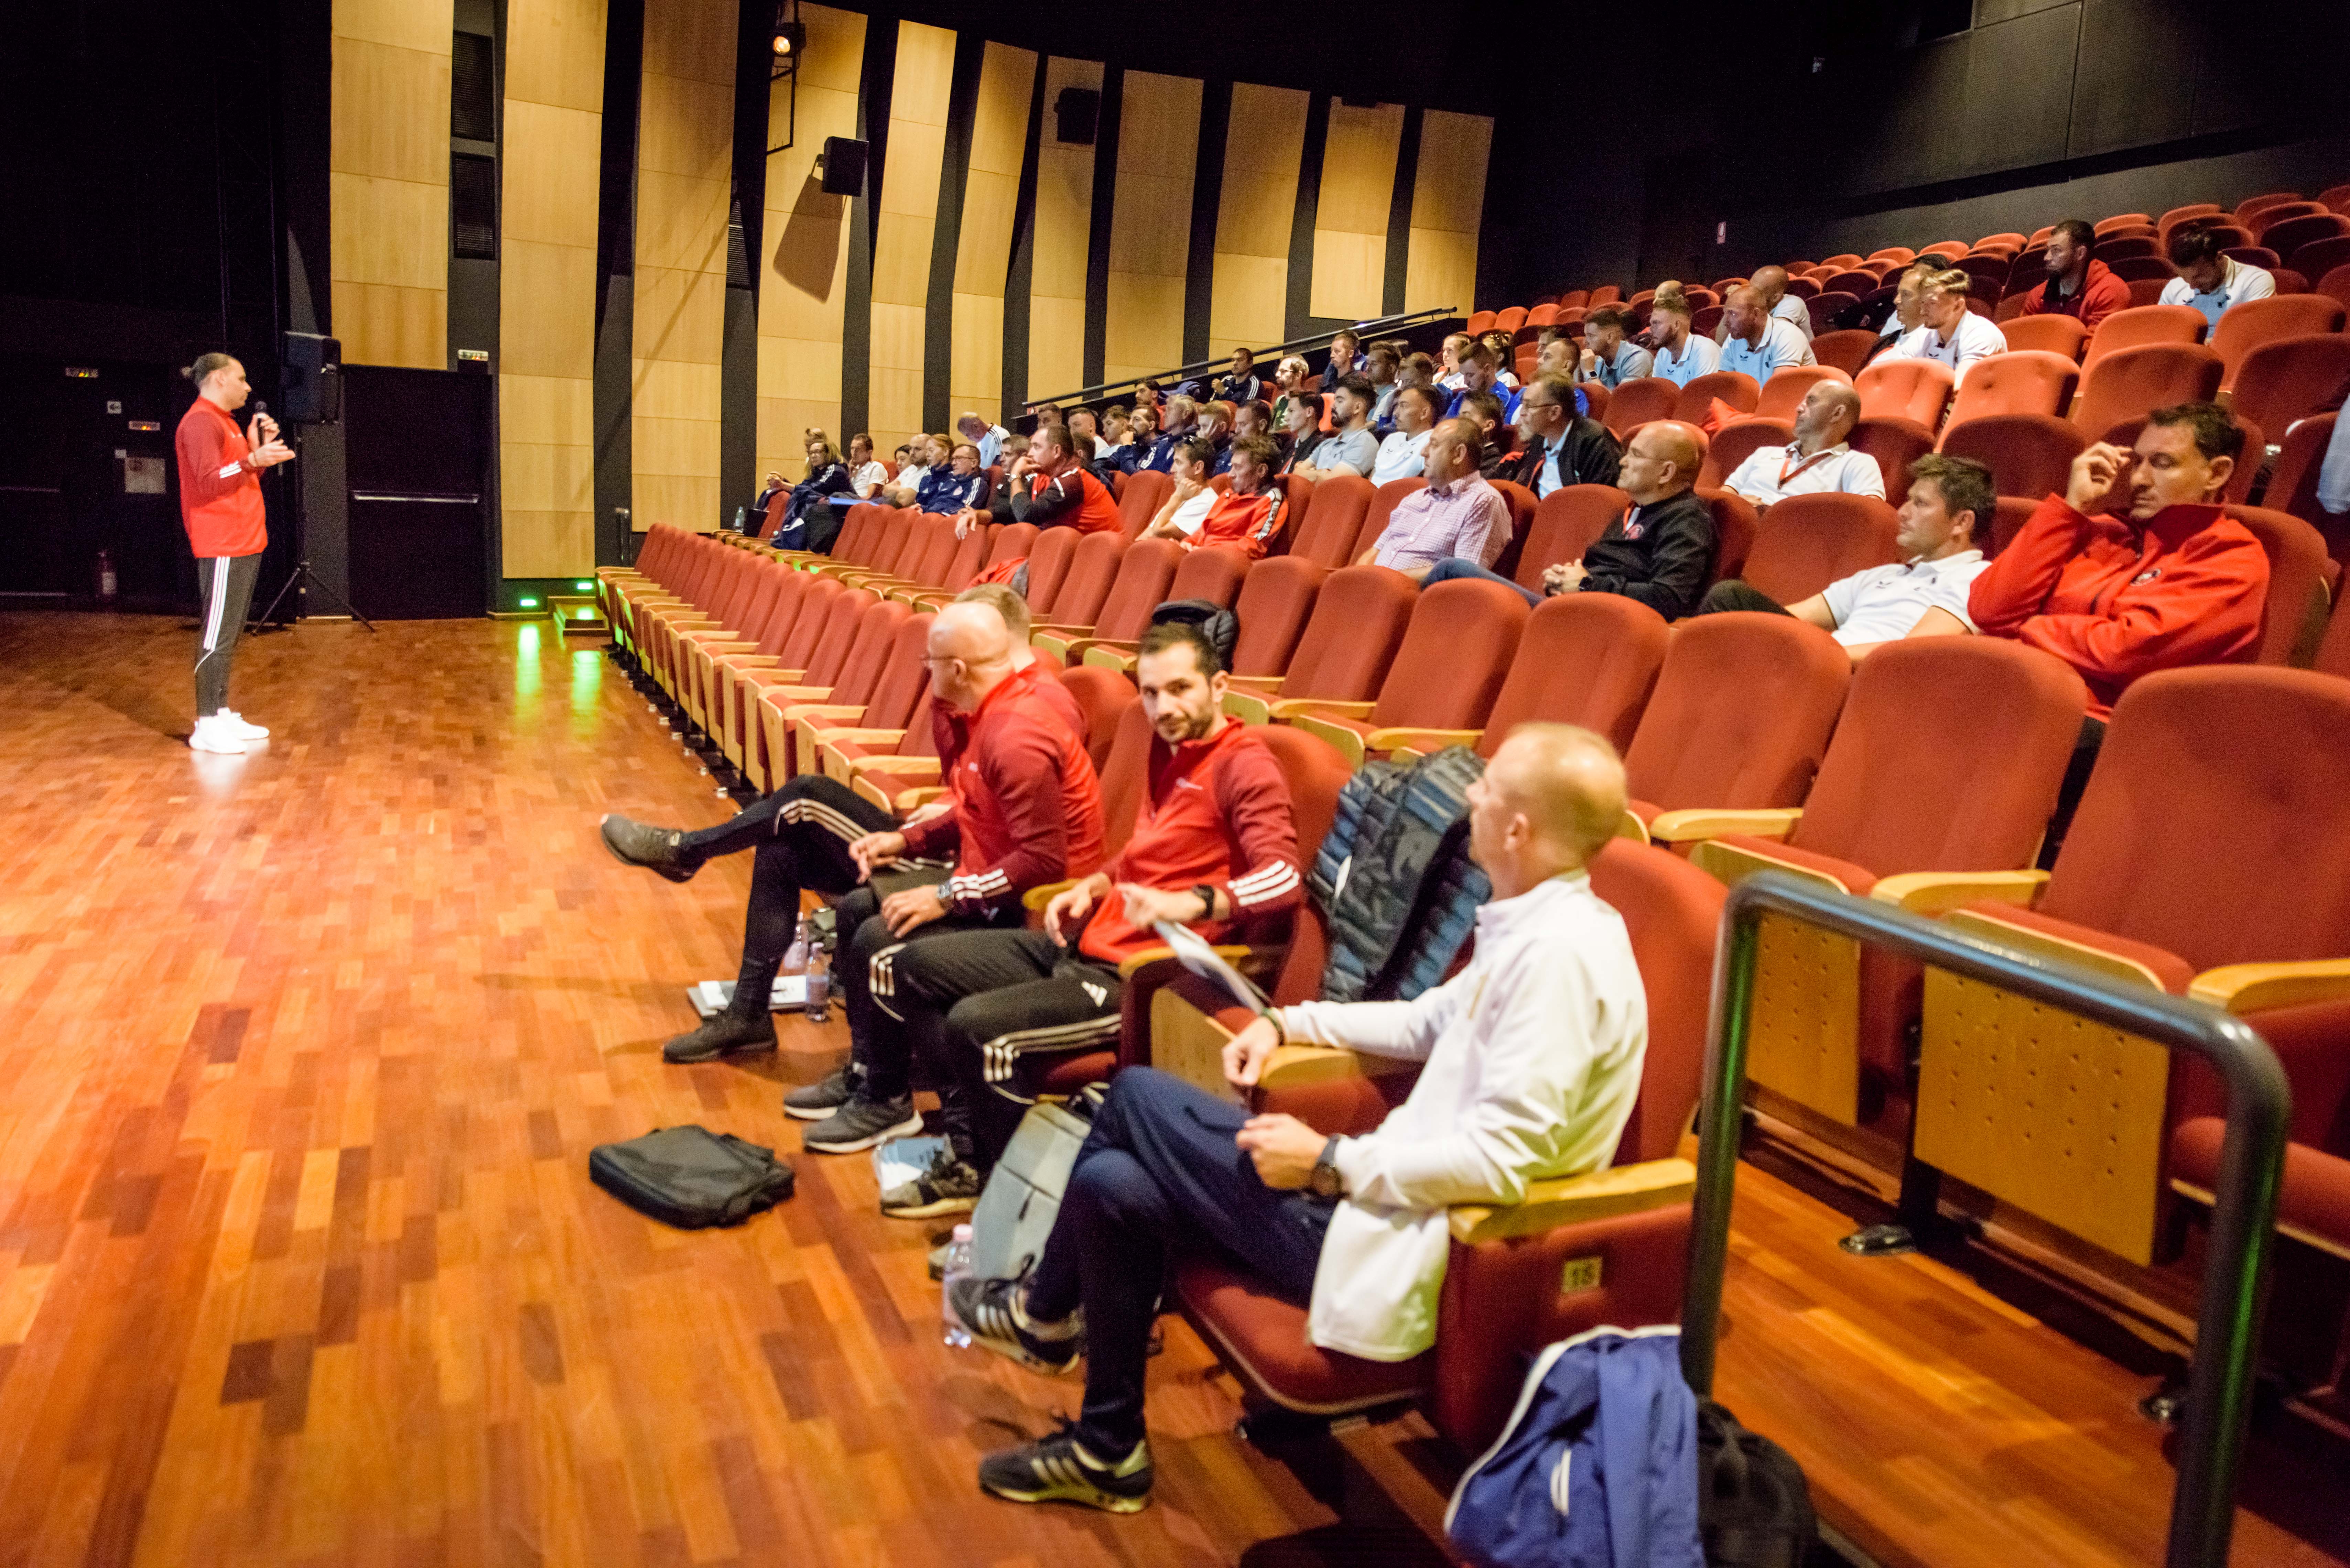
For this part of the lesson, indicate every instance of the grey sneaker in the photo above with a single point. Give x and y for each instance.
(816, 1102)
(726, 1034)
(860, 1123)
(948, 1187)
(654, 848)
(1059, 1469)
(995, 1314)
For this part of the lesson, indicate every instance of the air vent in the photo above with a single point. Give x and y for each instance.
(473, 90)
(474, 205)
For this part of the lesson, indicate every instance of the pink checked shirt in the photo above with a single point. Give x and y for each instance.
(1464, 517)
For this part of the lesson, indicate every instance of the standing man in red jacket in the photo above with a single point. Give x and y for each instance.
(1213, 843)
(2077, 285)
(2167, 581)
(220, 501)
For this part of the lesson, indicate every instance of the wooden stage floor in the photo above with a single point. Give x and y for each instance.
(299, 1262)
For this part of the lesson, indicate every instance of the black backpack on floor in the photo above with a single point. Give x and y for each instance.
(1753, 1506)
(690, 1177)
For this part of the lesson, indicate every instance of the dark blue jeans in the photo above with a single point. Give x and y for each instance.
(1454, 567)
(1159, 1170)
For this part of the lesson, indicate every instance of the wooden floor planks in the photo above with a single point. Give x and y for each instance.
(300, 1263)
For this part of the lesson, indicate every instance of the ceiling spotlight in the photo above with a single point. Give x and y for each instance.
(791, 38)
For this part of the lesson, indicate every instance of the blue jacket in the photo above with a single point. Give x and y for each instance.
(945, 491)
(1598, 1466)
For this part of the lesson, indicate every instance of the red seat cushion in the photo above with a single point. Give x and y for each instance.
(2315, 1200)
(1262, 1339)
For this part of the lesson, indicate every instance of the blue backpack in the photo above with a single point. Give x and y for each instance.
(1597, 1467)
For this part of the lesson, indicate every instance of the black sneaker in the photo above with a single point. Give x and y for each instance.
(654, 848)
(946, 1187)
(816, 1102)
(1059, 1469)
(724, 1034)
(994, 1313)
(862, 1122)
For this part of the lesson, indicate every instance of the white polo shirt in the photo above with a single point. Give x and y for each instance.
(1794, 313)
(1400, 456)
(1699, 356)
(1194, 512)
(2239, 281)
(1770, 475)
(1975, 338)
(1883, 604)
(1782, 346)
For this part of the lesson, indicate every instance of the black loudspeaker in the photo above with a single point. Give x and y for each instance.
(1076, 114)
(844, 166)
(310, 380)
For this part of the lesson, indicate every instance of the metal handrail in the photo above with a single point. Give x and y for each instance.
(1385, 323)
(2243, 1209)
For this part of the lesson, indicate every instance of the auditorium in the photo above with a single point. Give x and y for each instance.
(796, 783)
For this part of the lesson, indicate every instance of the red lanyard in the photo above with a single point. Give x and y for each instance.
(1787, 474)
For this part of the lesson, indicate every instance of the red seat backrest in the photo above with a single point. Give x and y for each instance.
(1358, 622)
(1102, 696)
(1093, 571)
(1146, 491)
(1334, 516)
(1214, 574)
(1807, 541)
(1583, 658)
(2141, 325)
(1637, 402)
(2294, 614)
(2062, 335)
(1277, 598)
(2028, 454)
(1566, 521)
(1741, 714)
(1736, 388)
(2020, 382)
(1454, 657)
(1144, 572)
(1914, 390)
(1521, 502)
(1049, 567)
(1672, 913)
(1846, 349)
(837, 639)
(1895, 442)
(905, 677)
(2130, 383)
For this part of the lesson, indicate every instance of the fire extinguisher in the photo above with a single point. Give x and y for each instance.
(106, 582)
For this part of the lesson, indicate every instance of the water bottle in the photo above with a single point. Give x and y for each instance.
(795, 956)
(819, 983)
(958, 1268)
(107, 581)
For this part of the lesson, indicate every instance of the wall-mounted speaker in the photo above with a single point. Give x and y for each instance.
(1076, 116)
(310, 379)
(844, 166)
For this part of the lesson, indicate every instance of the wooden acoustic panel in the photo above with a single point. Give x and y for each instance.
(804, 271)
(1062, 227)
(1255, 210)
(999, 137)
(905, 228)
(388, 193)
(1448, 202)
(1350, 221)
(1150, 223)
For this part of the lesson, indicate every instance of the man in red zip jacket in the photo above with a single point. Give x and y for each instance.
(2171, 581)
(2077, 285)
(1214, 843)
(1024, 810)
(220, 501)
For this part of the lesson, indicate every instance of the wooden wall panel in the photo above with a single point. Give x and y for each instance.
(1150, 224)
(903, 233)
(1350, 221)
(388, 201)
(805, 269)
(1448, 202)
(554, 128)
(1062, 228)
(685, 169)
(999, 139)
(1254, 213)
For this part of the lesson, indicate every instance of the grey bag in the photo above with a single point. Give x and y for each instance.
(1022, 1197)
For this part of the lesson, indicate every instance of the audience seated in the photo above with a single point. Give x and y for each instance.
(806, 522)
(1479, 372)
(1819, 458)
(1681, 356)
(1304, 431)
(1239, 384)
(1083, 424)
(1925, 596)
(1051, 487)
(1771, 281)
(1416, 410)
(1381, 366)
(2078, 285)
(1555, 355)
(1289, 376)
(1247, 515)
(1499, 344)
(1216, 428)
(1459, 515)
(1484, 410)
(1607, 357)
(1350, 447)
(1757, 343)
(987, 438)
(1450, 358)
(927, 452)
(2208, 280)
(1949, 334)
(958, 487)
(1557, 446)
(1253, 418)
(1148, 449)
(1908, 312)
(1346, 358)
(1533, 1055)
(1659, 550)
(1185, 506)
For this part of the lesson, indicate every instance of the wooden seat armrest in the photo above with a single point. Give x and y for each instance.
(1248, 707)
(1081, 651)
(1034, 900)
(1248, 960)
(1939, 892)
(1258, 685)
(1293, 707)
(799, 710)
(1421, 742)
(1731, 863)
(750, 660)
(1577, 1200)
(768, 672)
(1705, 821)
(1293, 1067)
(833, 738)
(1119, 657)
(902, 767)
(715, 646)
(2256, 987)
(788, 696)
(1344, 739)
(920, 796)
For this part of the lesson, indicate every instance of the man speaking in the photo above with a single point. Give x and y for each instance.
(220, 501)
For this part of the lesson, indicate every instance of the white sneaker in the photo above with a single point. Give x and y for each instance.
(234, 723)
(213, 735)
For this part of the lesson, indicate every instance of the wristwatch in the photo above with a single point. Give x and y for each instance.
(1207, 900)
(1324, 1181)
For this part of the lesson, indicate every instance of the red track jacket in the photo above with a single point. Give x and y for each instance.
(2116, 602)
(1218, 813)
(2101, 293)
(1028, 807)
(220, 498)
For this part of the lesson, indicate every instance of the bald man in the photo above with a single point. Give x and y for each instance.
(1659, 550)
(1772, 281)
(1756, 343)
(1531, 1059)
(1026, 811)
(1820, 459)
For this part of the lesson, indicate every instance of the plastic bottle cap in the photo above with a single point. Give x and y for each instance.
(962, 1232)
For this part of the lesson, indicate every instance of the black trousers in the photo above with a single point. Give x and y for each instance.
(2077, 782)
(801, 835)
(226, 583)
(1731, 594)
(1160, 1170)
(970, 1006)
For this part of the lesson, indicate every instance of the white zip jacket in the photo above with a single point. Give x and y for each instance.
(1533, 1059)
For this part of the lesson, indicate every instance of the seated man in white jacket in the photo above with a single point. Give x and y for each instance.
(1532, 1061)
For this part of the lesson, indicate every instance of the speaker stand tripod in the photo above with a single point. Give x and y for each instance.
(308, 579)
